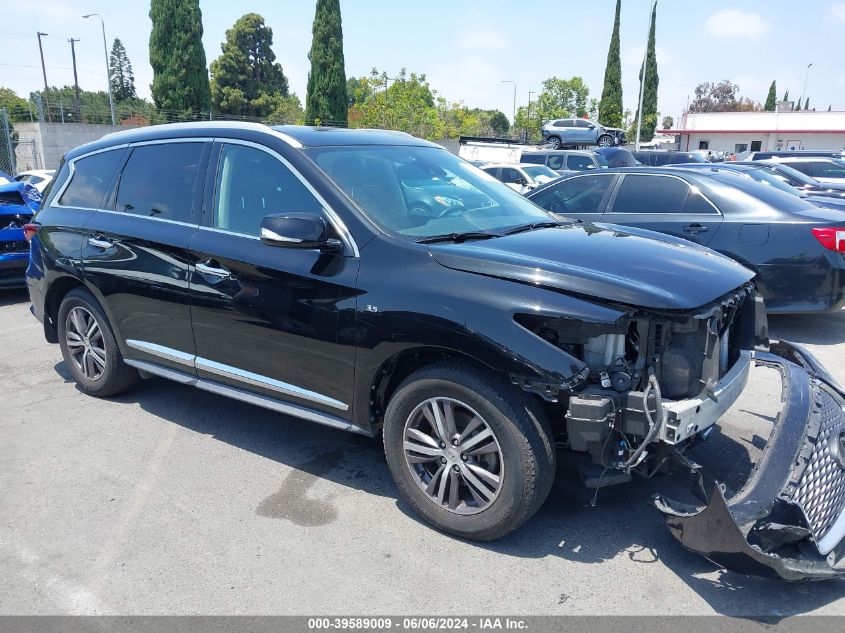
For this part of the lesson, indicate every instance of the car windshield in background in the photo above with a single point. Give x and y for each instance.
(765, 176)
(424, 191)
(784, 171)
(541, 173)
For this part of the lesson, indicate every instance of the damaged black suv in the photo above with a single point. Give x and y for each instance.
(373, 282)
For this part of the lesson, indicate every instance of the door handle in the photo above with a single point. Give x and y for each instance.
(99, 241)
(696, 228)
(206, 268)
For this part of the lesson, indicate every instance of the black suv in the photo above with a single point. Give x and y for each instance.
(289, 267)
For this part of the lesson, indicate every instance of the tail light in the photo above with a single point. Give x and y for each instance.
(29, 231)
(831, 238)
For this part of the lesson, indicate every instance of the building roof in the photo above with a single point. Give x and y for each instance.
(808, 122)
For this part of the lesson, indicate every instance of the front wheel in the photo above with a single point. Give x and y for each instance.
(554, 142)
(472, 454)
(605, 140)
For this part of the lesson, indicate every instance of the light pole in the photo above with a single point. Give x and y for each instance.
(44, 71)
(642, 92)
(509, 81)
(108, 71)
(806, 75)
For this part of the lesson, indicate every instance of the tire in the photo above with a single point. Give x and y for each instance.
(519, 451)
(554, 141)
(605, 140)
(94, 361)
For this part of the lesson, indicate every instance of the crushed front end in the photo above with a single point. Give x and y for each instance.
(653, 383)
(788, 520)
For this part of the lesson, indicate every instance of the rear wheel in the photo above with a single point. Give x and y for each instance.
(469, 452)
(89, 347)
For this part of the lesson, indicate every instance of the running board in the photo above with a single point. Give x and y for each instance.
(280, 406)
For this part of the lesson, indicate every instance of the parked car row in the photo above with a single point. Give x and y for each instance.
(793, 241)
(374, 282)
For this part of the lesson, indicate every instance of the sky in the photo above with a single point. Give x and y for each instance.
(468, 49)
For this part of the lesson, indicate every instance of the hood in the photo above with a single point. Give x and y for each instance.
(629, 266)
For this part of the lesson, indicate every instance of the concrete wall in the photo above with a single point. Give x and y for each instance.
(42, 145)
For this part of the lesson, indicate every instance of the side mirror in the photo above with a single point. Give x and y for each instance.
(591, 126)
(297, 230)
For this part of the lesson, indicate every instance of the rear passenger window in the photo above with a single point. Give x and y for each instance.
(252, 184)
(651, 194)
(532, 158)
(697, 203)
(158, 181)
(91, 178)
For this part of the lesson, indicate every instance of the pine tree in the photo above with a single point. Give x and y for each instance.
(122, 77)
(246, 80)
(326, 100)
(610, 106)
(771, 99)
(180, 77)
(652, 80)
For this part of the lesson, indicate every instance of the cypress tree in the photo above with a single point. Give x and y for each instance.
(652, 80)
(797, 106)
(771, 99)
(610, 106)
(807, 104)
(326, 100)
(786, 95)
(180, 76)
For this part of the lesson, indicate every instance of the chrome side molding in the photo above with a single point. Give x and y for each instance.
(227, 371)
(280, 406)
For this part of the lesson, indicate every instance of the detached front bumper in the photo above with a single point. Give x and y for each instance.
(788, 520)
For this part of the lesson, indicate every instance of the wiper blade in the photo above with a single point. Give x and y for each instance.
(456, 237)
(523, 228)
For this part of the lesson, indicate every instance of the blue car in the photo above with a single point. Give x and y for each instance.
(18, 203)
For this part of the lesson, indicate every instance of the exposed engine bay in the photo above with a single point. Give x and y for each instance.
(654, 383)
(651, 378)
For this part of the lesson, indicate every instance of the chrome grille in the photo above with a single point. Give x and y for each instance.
(821, 489)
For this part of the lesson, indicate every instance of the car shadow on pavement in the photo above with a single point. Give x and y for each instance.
(574, 524)
(12, 296)
(621, 521)
(809, 329)
(346, 458)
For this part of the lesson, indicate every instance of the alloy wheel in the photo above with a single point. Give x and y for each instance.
(85, 343)
(454, 455)
(605, 141)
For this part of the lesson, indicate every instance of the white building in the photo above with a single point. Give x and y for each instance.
(738, 132)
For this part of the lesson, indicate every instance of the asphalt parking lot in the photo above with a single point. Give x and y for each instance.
(171, 500)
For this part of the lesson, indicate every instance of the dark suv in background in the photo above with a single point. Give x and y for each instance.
(660, 158)
(290, 268)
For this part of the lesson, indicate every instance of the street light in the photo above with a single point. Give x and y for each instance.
(509, 81)
(108, 71)
(804, 92)
(642, 94)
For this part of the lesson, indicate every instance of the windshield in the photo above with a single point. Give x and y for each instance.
(789, 173)
(765, 176)
(540, 173)
(424, 191)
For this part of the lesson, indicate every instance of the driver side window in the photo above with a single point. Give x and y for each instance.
(251, 184)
